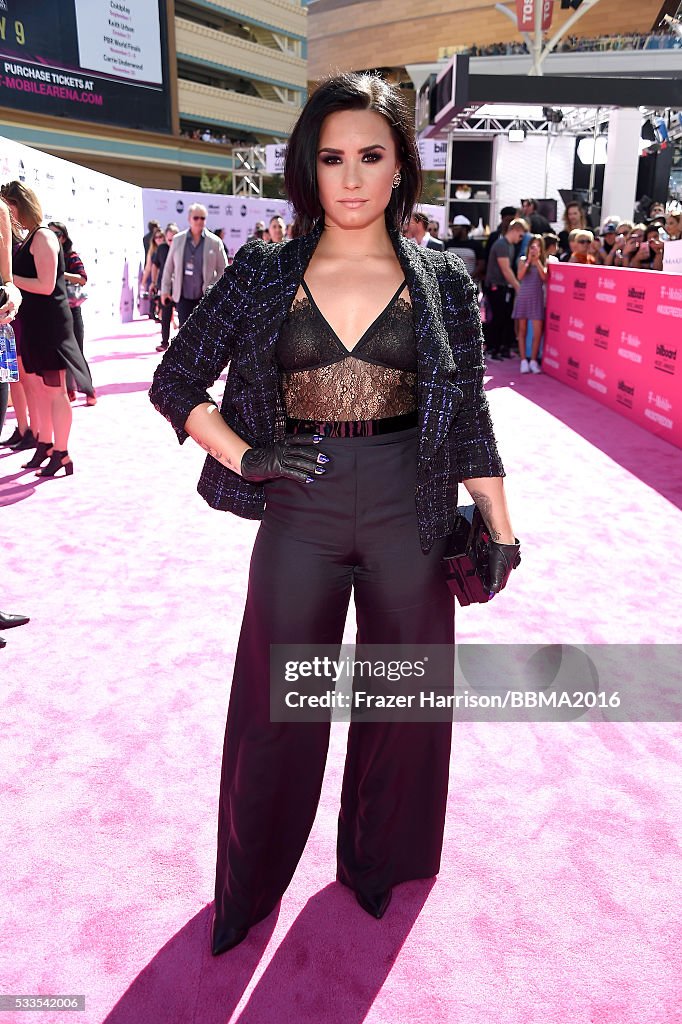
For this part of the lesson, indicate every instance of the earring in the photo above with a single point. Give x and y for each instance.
(396, 179)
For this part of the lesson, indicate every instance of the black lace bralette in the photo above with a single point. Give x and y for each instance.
(324, 380)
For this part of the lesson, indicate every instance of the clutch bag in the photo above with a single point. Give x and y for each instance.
(467, 558)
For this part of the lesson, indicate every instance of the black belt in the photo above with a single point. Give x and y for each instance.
(352, 428)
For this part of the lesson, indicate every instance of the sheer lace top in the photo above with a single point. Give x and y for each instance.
(324, 380)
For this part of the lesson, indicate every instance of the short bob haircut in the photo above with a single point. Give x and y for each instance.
(350, 91)
(29, 210)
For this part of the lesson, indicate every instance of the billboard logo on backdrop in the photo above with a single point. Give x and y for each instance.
(635, 300)
(179, 206)
(243, 210)
(572, 368)
(666, 359)
(579, 289)
(228, 209)
(626, 394)
(554, 321)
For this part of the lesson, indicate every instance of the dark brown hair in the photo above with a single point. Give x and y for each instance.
(67, 244)
(350, 91)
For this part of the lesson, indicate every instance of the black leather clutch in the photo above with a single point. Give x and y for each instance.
(467, 558)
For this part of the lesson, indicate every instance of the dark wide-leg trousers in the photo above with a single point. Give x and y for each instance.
(353, 529)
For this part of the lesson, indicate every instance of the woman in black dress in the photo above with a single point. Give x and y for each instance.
(75, 275)
(49, 346)
(353, 407)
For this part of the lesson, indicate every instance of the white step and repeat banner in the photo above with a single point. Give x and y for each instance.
(237, 215)
(104, 219)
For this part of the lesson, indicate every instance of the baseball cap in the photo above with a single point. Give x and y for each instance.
(461, 219)
(608, 227)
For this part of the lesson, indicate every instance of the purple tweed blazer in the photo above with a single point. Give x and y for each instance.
(238, 322)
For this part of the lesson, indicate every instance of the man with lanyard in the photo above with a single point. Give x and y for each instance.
(196, 260)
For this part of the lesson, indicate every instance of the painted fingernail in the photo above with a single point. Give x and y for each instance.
(310, 479)
(322, 457)
(319, 470)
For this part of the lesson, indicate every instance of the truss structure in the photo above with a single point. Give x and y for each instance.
(248, 168)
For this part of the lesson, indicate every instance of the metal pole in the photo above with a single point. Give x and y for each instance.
(537, 41)
(593, 168)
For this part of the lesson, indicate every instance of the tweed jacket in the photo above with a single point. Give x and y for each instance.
(238, 323)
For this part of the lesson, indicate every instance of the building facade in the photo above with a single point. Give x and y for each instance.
(356, 35)
(235, 73)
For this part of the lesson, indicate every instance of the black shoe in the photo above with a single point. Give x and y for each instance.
(25, 442)
(14, 439)
(7, 621)
(3, 643)
(56, 463)
(162, 347)
(227, 938)
(40, 454)
(376, 904)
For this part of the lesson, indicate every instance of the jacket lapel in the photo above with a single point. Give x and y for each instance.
(439, 396)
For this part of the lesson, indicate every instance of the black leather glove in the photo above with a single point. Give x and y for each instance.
(296, 458)
(501, 560)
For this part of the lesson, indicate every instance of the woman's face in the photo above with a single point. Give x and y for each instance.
(356, 162)
(170, 235)
(158, 237)
(533, 249)
(573, 215)
(672, 225)
(276, 229)
(624, 230)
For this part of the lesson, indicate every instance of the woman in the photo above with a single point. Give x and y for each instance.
(48, 343)
(530, 301)
(159, 262)
(147, 284)
(582, 243)
(22, 437)
(574, 217)
(673, 225)
(74, 275)
(10, 298)
(401, 412)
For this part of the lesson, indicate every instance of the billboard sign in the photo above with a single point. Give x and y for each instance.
(91, 60)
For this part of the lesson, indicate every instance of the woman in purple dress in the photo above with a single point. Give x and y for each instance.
(530, 301)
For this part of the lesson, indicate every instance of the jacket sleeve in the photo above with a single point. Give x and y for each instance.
(472, 436)
(204, 344)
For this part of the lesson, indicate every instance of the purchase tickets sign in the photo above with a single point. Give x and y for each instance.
(616, 335)
(525, 14)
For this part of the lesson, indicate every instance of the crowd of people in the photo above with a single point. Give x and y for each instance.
(511, 265)
(660, 40)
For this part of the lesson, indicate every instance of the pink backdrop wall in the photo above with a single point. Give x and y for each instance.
(616, 335)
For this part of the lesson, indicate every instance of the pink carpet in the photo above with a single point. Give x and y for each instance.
(560, 893)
